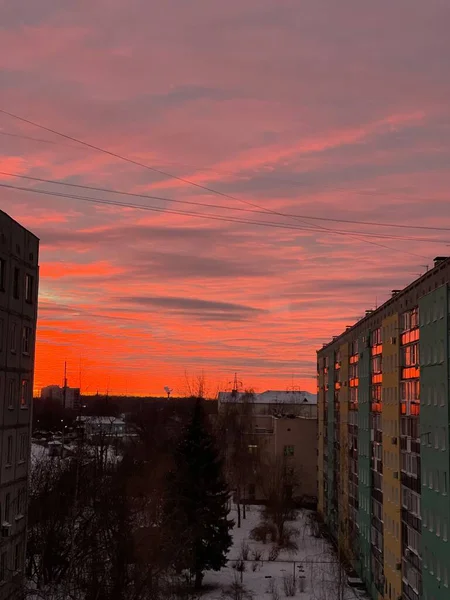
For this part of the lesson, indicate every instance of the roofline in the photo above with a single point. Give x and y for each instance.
(19, 224)
(390, 300)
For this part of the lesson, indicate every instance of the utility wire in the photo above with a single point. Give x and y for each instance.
(230, 219)
(233, 208)
(187, 181)
(207, 205)
(275, 179)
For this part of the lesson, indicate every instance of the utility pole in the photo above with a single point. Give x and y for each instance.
(65, 386)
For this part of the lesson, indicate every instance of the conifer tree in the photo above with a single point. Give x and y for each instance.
(197, 500)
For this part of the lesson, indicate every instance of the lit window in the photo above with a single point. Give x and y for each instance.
(25, 393)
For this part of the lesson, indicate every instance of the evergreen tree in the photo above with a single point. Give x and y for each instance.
(197, 500)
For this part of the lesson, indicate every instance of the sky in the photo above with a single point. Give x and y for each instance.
(300, 115)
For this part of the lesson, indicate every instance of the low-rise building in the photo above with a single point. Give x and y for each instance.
(272, 402)
(104, 427)
(288, 442)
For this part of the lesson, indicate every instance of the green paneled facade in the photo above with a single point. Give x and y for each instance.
(332, 517)
(434, 435)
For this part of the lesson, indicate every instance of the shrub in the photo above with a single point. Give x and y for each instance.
(274, 553)
(289, 585)
(257, 555)
(245, 550)
(263, 531)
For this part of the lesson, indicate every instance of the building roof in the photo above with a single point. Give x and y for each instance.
(440, 263)
(272, 397)
(101, 420)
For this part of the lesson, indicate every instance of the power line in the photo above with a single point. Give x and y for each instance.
(206, 205)
(275, 179)
(184, 180)
(105, 201)
(233, 208)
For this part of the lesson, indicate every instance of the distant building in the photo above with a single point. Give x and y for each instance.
(274, 402)
(281, 429)
(18, 312)
(291, 440)
(70, 400)
(104, 427)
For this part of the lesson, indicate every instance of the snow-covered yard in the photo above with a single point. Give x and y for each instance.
(266, 579)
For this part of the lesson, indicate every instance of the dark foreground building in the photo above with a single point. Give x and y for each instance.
(18, 310)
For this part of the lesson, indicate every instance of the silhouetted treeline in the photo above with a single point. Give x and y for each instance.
(49, 415)
(106, 522)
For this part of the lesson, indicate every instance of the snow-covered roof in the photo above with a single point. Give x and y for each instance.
(101, 420)
(272, 397)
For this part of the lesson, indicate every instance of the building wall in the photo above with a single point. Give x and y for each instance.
(364, 472)
(434, 435)
(18, 311)
(331, 499)
(321, 438)
(392, 551)
(300, 433)
(271, 435)
(343, 450)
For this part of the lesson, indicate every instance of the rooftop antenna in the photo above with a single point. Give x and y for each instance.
(65, 385)
(168, 391)
(425, 267)
(236, 385)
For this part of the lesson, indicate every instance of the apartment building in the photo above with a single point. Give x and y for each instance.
(18, 311)
(383, 441)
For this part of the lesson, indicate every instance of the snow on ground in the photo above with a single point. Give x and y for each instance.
(315, 555)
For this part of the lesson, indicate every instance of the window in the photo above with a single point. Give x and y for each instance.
(438, 526)
(13, 338)
(26, 340)
(9, 450)
(7, 507)
(288, 451)
(11, 393)
(21, 501)
(2, 274)
(16, 286)
(17, 556)
(252, 491)
(25, 393)
(444, 530)
(29, 284)
(23, 447)
(444, 482)
(3, 566)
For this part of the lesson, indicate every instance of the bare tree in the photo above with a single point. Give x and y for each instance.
(278, 482)
(241, 449)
